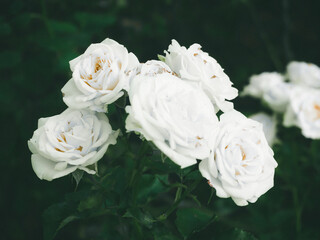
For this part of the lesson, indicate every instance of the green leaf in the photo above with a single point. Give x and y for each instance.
(164, 235)
(93, 201)
(190, 220)
(66, 221)
(54, 218)
(59, 215)
(240, 234)
(193, 174)
(165, 231)
(161, 58)
(122, 102)
(77, 175)
(143, 217)
(149, 186)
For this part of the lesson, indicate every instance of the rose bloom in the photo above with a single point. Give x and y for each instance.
(303, 73)
(178, 118)
(269, 126)
(99, 76)
(241, 164)
(271, 88)
(199, 69)
(304, 111)
(75, 139)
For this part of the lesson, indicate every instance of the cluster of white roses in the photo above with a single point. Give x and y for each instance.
(295, 94)
(173, 103)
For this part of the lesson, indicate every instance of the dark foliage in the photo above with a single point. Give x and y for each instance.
(139, 194)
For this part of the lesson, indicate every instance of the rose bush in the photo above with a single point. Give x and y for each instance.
(241, 164)
(199, 69)
(178, 118)
(172, 107)
(99, 76)
(74, 139)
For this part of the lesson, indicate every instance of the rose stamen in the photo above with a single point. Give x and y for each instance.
(317, 108)
(59, 150)
(63, 137)
(79, 148)
(244, 156)
(98, 64)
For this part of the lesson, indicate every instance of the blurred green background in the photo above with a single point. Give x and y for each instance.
(39, 37)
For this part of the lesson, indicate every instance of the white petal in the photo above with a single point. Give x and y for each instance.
(240, 202)
(74, 62)
(73, 97)
(289, 118)
(204, 168)
(181, 160)
(112, 140)
(87, 170)
(61, 166)
(45, 169)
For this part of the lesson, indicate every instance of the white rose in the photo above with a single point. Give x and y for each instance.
(178, 118)
(277, 96)
(99, 76)
(304, 73)
(304, 111)
(73, 140)
(198, 68)
(241, 165)
(259, 83)
(271, 88)
(269, 126)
